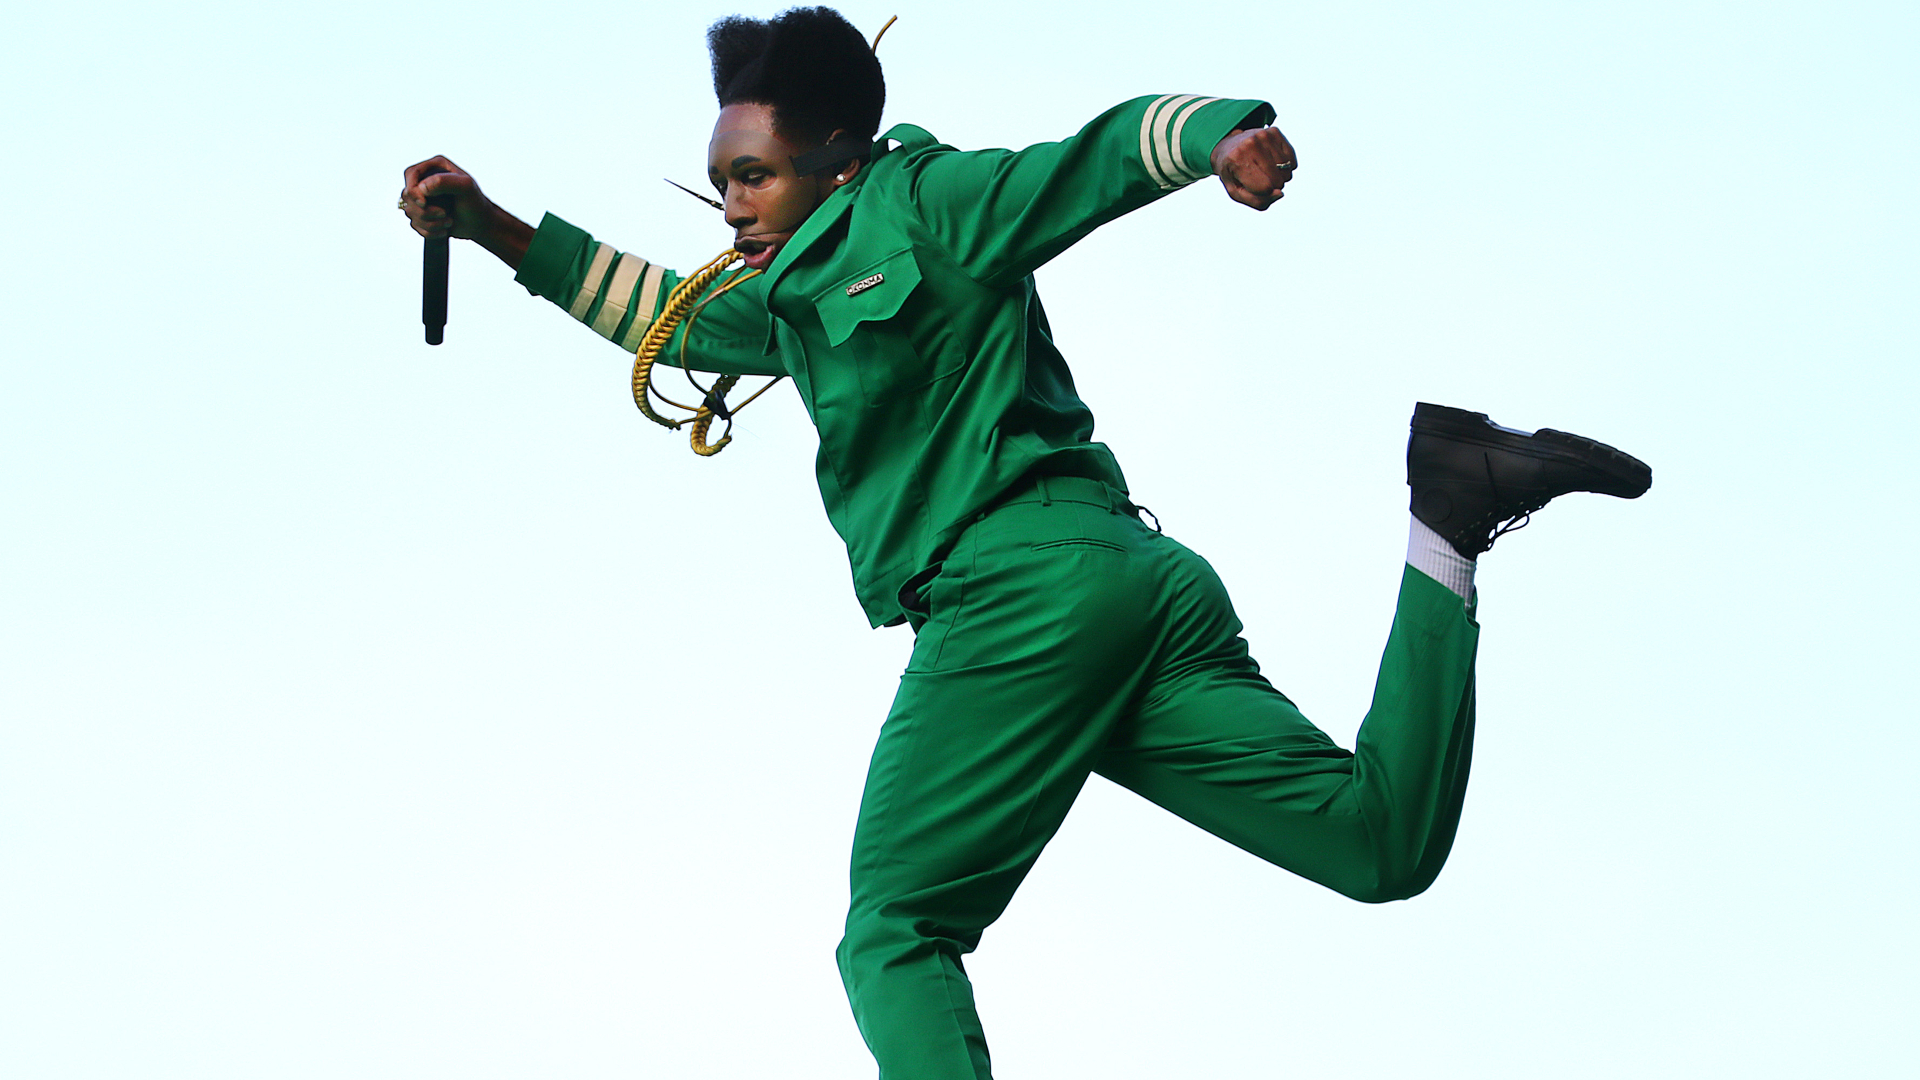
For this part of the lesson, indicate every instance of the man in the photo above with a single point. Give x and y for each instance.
(1056, 635)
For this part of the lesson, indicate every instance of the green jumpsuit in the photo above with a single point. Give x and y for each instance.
(1056, 635)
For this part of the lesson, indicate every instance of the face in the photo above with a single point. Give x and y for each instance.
(751, 167)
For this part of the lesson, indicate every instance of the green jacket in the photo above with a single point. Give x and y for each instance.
(905, 311)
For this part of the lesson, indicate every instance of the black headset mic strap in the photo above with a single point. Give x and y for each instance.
(837, 152)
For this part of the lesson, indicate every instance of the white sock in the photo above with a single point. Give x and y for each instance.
(1428, 553)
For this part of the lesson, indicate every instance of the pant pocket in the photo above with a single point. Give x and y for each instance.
(1077, 541)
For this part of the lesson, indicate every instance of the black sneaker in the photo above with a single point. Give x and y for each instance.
(1474, 480)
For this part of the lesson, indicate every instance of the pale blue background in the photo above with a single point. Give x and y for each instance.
(379, 711)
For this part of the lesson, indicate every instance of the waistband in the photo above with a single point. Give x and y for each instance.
(1046, 490)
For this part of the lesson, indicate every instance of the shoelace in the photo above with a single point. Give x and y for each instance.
(1514, 524)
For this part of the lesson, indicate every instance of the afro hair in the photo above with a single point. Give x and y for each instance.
(808, 64)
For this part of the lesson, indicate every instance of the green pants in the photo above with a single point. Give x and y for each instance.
(1062, 637)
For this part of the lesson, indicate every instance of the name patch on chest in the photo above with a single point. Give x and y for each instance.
(864, 284)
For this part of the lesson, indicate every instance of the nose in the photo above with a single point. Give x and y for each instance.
(739, 215)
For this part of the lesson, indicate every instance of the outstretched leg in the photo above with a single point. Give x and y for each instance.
(1214, 743)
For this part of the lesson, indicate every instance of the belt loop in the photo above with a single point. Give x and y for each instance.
(1046, 497)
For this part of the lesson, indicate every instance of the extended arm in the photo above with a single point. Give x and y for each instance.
(1003, 213)
(615, 294)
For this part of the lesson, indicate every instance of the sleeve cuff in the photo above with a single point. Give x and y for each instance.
(550, 258)
(1216, 121)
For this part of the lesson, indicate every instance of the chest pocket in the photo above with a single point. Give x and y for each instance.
(870, 320)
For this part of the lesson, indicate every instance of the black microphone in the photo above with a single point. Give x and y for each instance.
(433, 279)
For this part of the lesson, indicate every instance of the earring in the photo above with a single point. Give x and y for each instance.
(842, 178)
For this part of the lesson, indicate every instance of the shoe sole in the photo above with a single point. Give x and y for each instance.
(1626, 476)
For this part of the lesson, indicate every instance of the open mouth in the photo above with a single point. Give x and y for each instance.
(758, 253)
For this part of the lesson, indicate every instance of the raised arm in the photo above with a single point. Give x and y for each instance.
(1003, 213)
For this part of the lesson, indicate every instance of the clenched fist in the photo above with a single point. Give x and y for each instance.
(1254, 165)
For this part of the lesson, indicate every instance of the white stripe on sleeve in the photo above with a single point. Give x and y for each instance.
(590, 289)
(1183, 171)
(1171, 172)
(1154, 172)
(643, 307)
(626, 274)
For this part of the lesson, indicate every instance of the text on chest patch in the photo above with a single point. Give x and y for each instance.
(864, 284)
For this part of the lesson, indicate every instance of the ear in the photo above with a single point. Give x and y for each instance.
(847, 171)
